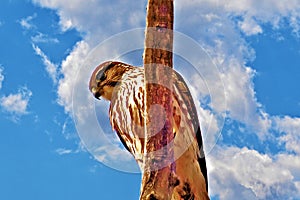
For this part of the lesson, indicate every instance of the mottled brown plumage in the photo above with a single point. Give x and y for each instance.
(123, 86)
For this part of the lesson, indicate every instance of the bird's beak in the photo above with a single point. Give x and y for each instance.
(96, 93)
(97, 96)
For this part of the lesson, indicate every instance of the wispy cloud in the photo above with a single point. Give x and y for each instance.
(26, 22)
(37, 37)
(63, 151)
(108, 152)
(51, 68)
(67, 151)
(1, 76)
(43, 38)
(16, 104)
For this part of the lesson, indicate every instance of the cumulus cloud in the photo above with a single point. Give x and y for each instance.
(16, 104)
(247, 174)
(290, 162)
(70, 68)
(290, 129)
(51, 68)
(229, 51)
(254, 12)
(85, 16)
(250, 27)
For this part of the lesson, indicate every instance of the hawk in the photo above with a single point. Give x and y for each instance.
(123, 86)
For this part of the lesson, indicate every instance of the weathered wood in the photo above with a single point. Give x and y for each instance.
(171, 169)
(157, 180)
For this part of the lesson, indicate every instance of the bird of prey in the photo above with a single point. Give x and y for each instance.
(123, 86)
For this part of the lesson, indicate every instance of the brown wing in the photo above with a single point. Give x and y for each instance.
(187, 106)
(127, 117)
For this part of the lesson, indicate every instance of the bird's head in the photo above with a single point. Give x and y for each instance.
(105, 77)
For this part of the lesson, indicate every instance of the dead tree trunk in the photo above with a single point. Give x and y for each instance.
(165, 176)
(157, 180)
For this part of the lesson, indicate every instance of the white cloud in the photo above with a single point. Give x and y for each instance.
(67, 151)
(69, 68)
(108, 152)
(26, 23)
(249, 14)
(264, 11)
(295, 24)
(247, 174)
(290, 162)
(114, 17)
(63, 151)
(214, 25)
(1, 76)
(242, 104)
(290, 127)
(51, 68)
(43, 38)
(250, 27)
(16, 104)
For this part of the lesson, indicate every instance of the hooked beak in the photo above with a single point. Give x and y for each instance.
(96, 93)
(97, 96)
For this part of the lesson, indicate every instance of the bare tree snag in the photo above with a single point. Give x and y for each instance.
(158, 179)
(165, 176)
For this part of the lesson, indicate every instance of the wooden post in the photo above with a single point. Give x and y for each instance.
(157, 180)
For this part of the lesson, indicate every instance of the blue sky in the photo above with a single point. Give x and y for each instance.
(247, 95)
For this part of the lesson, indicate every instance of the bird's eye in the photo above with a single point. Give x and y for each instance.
(100, 76)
